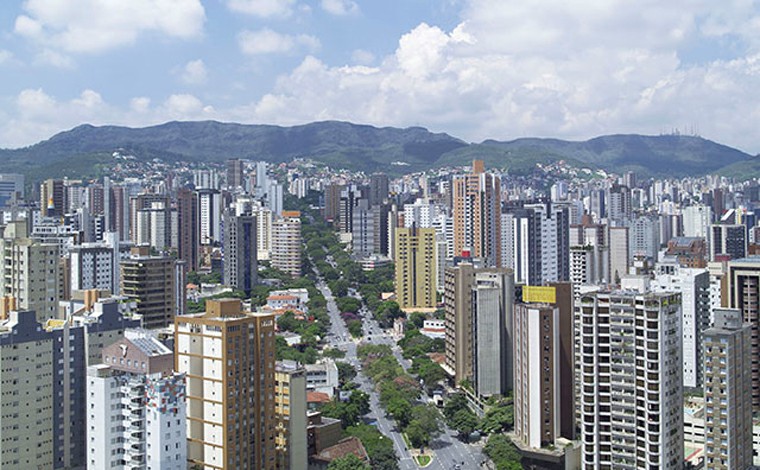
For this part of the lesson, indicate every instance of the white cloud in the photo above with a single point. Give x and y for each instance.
(139, 104)
(362, 57)
(340, 7)
(194, 72)
(266, 41)
(92, 26)
(262, 8)
(54, 58)
(509, 69)
(5, 56)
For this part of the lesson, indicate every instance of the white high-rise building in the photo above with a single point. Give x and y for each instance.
(96, 265)
(620, 257)
(136, 409)
(629, 367)
(422, 213)
(210, 216)
(263, 232)
(644, 237)
(274, 197)
(696, 221)
(694, 287)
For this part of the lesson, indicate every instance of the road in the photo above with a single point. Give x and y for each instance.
(450, 452)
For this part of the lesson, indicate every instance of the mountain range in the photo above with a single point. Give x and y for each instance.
(88, 149)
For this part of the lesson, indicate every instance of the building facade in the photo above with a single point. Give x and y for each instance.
(630, 373)
(228, 356)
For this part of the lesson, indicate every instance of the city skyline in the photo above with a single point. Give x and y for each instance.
(475, 69)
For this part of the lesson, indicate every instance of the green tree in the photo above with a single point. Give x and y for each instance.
(346, 372)
(382, 456)
(465, 422)
(418, 436)
(400, 410)
(503, 453)
(355, 328)
(499, 418)
(429, 418)
(417, 319)
(455, 403)
(349, 462)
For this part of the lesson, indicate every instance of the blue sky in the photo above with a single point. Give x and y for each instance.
(473, 68)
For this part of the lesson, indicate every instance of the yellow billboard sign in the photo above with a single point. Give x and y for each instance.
(539, 294)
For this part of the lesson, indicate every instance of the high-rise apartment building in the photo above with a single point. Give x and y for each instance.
(291, 442)
(187, 228)
(234, 173)
(630, 370)
(536, 374)
(744, 294)
(540, 250)
(415, 278)
(42, 404)
(136, 407)
(31, 271)
(492, 306)
(209, 216)
(620, 257)
(476, 210)
(728, 392)
(457, 300)
(263, 232)
(644, 238)
(11, 188)
(153, 282)
(52, 198)
(478, 326)
(287, 243)
(228, 356)
(378, 188)
(332, 202)
(694, 287)
(696, 221)
(363, 234)
(96, 265)
(240, 263)
(730, 240)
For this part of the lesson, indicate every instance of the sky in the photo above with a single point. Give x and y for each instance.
(476, 69)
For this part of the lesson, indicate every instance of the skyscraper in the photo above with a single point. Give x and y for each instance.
(52, 198)
(728, 240)
(694, 287)
(152, 282)
(234, 173)
(415, 277)
(228, 356)
(31, 271)
(492, 308)
(209, 216)
(536, 374)
(291, 442)
(44, 382)
(137, 409)
(287, 242)
(630, 371)
(476, 210)
(478, 305)
(728, 392)
(540, 250)
(744, 294)
(187, 228)
(240, 262)
(11, 187)
(378, 188)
